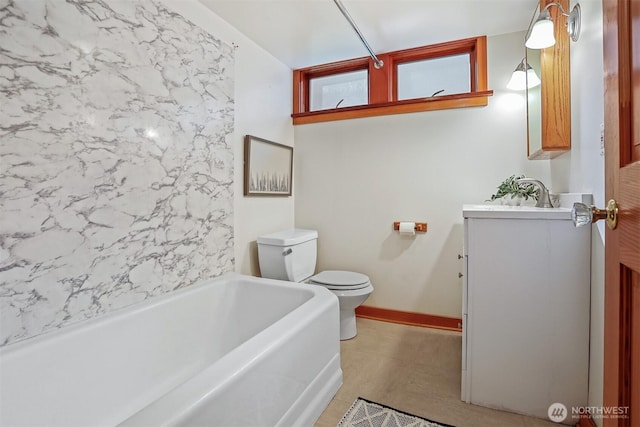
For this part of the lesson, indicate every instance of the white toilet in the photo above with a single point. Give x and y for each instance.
(291, 255)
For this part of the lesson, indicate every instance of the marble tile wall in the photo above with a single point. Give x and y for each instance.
(116, 165)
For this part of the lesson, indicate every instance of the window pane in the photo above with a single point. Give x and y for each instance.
(339, 90)
(422, 79)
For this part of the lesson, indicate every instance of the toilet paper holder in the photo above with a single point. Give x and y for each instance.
(420, 226)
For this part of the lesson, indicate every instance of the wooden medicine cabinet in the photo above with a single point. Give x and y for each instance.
(549, 104)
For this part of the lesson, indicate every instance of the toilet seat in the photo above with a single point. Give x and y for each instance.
(340, 280)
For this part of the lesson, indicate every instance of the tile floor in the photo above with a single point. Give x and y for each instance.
(413, 369)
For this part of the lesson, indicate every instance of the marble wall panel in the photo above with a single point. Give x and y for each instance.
(116, 170)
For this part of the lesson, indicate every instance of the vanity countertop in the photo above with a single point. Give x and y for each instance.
(515, 212)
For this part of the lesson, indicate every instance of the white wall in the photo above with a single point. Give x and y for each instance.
(582, 169)
(263, 96)
(354, 178)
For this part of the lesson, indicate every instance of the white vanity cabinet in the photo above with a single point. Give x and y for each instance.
(526, 309)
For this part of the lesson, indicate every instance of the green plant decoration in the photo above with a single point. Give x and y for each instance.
(510, 187)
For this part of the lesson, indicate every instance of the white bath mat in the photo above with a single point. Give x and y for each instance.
(364, 413)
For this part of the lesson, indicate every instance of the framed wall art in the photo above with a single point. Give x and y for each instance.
(268, 167)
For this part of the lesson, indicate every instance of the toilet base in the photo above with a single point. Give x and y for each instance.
(347, 324)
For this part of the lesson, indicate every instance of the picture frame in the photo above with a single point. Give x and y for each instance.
(268, 167)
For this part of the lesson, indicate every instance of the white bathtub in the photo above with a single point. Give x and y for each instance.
(233, 351)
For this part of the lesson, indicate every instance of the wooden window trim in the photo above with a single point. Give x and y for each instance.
(383, 83)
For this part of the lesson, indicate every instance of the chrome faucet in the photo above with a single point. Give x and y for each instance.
(544, 201)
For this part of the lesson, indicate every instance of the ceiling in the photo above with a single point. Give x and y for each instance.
(302, 33)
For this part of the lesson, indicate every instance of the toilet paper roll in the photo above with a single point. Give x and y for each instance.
(408, 228)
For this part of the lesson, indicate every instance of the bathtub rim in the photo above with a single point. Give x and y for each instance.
(144, 305)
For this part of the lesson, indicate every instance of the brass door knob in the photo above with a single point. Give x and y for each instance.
(582, 214)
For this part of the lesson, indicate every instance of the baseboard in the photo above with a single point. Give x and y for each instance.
(410, 318)
(586, 421)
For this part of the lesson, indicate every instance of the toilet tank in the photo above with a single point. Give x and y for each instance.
(288, 255)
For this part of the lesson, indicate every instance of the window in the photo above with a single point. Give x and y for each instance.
(338, 90)
(431, 77)
(435, 77)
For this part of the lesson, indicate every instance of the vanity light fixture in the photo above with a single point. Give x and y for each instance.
(541, 36)
(523, 77)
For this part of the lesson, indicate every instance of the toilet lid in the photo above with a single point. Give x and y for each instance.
(336, 279)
